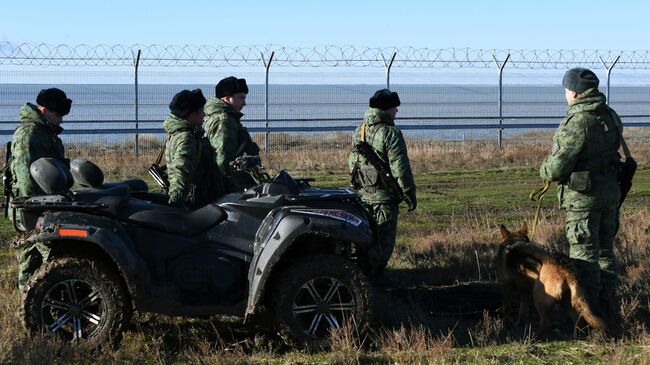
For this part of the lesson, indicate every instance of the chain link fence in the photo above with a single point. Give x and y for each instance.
(301, 97)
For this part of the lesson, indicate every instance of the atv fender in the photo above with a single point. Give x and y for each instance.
(102, 233)
(284, 227)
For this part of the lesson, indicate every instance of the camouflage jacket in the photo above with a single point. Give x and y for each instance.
(194, 180)
(585, 160)
(230, 139)
(34, 138)
(390, 147)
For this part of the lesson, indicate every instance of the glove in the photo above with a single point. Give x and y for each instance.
(411, 200)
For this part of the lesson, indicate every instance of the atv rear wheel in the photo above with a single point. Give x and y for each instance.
(77, 299)
(321, 294)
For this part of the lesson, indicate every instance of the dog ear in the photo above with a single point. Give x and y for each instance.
(524, 229)
(504, 232)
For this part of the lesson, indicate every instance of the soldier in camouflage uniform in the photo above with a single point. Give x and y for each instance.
(193, 176)
(379, 131)
(36, 137)
(585, 163)
(227, 135)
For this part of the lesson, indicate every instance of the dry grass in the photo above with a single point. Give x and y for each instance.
(330, 153)
(171, 341)
(416, 331)
(414, 338)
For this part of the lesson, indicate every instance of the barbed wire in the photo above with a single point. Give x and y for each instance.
(319, 56)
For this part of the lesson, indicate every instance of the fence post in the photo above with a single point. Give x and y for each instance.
(609, 70)
(388, 66)
(501, 66)
(267, 66)
(136, 64)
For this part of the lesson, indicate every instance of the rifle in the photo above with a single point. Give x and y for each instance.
(365, 150)
(158, 172)
(7, 179)
(252, 166)
(627, 168)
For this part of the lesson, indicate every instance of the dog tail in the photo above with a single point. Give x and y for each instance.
(580, 302)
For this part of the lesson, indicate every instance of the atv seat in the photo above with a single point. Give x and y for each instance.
(114, 199)
(173, 220)
(136, 185)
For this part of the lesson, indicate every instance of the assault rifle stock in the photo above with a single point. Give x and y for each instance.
(365, 150)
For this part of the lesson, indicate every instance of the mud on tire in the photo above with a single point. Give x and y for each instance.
(319, 294)
(79, 300)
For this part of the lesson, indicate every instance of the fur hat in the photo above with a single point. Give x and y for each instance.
(55, 100)
(186, 102)
(230, 86)
(580, 80)
(384, 99)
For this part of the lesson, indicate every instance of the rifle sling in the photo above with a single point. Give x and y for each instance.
(618, 124)
(162, 151)
(241, 148)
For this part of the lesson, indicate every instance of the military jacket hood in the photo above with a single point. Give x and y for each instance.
(374, 116)
(173, 124)
(29, 113)
(588, 101)
(216, 106)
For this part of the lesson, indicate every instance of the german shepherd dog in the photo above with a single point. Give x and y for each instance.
(548, 278)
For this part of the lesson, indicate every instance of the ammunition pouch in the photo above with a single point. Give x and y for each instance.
(159, 174)
(580, 181)
(369, 178)
(365, 177)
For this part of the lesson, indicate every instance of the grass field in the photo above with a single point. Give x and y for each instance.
(444, 309)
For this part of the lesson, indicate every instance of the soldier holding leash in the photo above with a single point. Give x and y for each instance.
(585, 163)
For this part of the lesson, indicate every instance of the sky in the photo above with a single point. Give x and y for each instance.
(550, 24)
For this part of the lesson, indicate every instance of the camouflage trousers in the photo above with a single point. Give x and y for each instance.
(30, 259)
(385, 215)
(591, 239)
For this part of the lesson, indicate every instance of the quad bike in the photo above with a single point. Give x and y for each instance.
(296, 251)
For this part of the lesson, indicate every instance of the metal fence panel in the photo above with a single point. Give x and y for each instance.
(316, 96)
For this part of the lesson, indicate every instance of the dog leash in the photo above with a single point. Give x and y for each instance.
(538, 195)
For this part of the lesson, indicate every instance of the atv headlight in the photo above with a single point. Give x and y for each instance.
(338, 214)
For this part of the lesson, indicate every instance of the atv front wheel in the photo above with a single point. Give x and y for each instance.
(79, 300)
(321, 294)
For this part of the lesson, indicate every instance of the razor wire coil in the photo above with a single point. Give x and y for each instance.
(319, 56)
